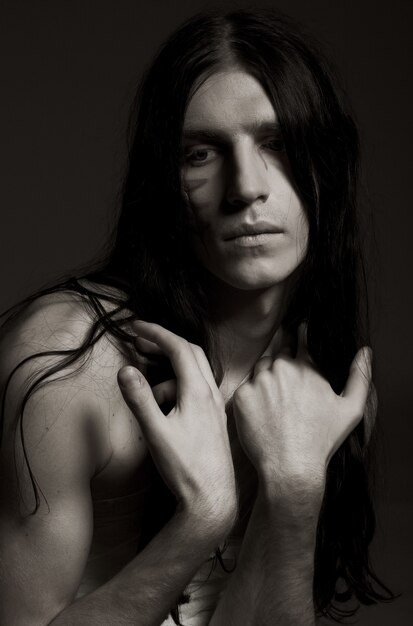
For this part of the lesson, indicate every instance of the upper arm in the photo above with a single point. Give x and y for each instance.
(43, 553)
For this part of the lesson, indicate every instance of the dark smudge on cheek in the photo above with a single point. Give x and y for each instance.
(263, 159)
(195, 204)
(193, 185)
(195, 224)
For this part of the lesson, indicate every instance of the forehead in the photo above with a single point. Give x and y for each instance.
(231, 101)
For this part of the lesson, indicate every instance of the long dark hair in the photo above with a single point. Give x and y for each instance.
(157, 279)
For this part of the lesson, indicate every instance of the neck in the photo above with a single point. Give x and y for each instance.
(247, 324)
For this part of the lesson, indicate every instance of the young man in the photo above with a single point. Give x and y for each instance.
(236, 244)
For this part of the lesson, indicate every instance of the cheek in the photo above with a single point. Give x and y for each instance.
(301, 234)
(204, 190)
(201, 191)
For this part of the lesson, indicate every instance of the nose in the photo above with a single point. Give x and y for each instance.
(247, 178)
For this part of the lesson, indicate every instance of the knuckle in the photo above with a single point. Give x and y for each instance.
(197, 349)
(179, 346)
(283, 366)
(241, 394)
(287, 359)
(265, 376)
(142, 325)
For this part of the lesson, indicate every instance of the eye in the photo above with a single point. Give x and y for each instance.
(274, 144)
(199, 156)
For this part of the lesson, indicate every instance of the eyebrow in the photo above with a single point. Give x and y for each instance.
(220, 136)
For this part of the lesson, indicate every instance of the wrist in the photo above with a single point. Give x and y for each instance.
(294, 493)
(293, 522)
(206, 521)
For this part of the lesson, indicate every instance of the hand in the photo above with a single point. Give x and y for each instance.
(289, 420)
(190, 445)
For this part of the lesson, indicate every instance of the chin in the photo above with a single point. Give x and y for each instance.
(257, 281)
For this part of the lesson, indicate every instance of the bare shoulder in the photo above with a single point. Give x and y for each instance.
(80, 402)
(50, 328)
(54, 322)
(75, 442)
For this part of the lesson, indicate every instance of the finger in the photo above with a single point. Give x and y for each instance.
(347, 430)
(359, 410)
(204, 366)
(264, 363)
(177, 349)
(140, 399)
(152, 348)
(356, 393)
(165, 392)
(146, 346)
(358, 383)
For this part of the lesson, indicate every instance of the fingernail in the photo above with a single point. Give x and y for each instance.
(128, 375)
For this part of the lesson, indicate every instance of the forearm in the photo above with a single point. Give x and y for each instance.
(144, 591)
(272, 584)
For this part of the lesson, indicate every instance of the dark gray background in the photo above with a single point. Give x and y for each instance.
(68, 73)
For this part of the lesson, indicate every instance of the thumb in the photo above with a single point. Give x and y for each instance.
(359, 380)
(140, 399)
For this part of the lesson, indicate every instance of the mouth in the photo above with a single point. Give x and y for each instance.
(251, 231)
(253, 241)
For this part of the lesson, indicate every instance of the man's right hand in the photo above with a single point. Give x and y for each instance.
(78, 436)
(189, 445)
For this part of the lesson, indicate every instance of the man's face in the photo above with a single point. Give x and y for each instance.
(250, 228)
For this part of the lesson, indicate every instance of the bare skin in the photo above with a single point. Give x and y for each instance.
(289, 423)
(86, 444)
(108, 462)
(66, 532)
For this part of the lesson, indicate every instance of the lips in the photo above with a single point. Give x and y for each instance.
(257, 228)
